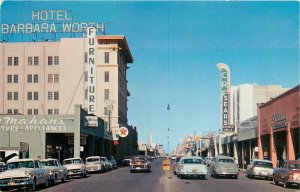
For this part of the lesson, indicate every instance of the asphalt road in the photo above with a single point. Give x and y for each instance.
(158, 181)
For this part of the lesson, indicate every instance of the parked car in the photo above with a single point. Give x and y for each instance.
(56, 170)
(224, 166)
(112, 160)
(94, 164)
(260, 168)
(173, 157)
(75, 167)
(288, 174)
(139, 163)
(126, 161)
(175, 163)
(191, 166)
(107, 164)
(24, 173)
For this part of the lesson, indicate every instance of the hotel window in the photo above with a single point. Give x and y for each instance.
(13, 111)
(9, 96)
(29, 60)
(35, 78)
(53, 111)
(106, 94)
(9, 79)
(106, 76)
(33, 96)
(105, 111)
(50, 60)
(16, 78)
(12, 78)
(32, 78)
(36, 60)
(56, 60)
(9, 61)
(50, 78)
(33, 111)
(56, 111)
(106, 57)
(16, 96)
(56, 78)
(53, 95)
(50, 112)
(16, 61)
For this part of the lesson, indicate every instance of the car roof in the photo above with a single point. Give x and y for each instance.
(191, 157)
(23, 160)
(49, 159)
(262, 160)
(223, 157)
(73, 158)
(93, 157)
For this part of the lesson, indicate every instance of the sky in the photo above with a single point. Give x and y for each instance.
(176, 46)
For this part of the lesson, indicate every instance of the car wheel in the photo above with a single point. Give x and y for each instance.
(64, 178)
(174, 172)
(275, 182)
(46, 182)
(286, 184)
(53, 182)
(181, 176)
(33, 185)
(131, 171)
(250, 176)
(236, 176)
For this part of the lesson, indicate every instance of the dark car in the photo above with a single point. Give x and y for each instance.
(139, 163)
(126, 161)
(288, 174)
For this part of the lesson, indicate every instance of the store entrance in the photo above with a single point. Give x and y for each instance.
(280, 146)
(57, 146)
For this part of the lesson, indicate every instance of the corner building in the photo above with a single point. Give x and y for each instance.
(49, 78)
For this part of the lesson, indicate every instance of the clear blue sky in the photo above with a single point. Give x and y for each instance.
(176, 46)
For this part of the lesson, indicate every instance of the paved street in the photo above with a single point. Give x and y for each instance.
(157, 181)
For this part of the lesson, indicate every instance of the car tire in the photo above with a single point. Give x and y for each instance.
(275, 182)
(46, 182)
(181, 176)
(250, 176)
(53, 181)
(286, 184)
(64, 178)
(236, 176)
(131, 171)
(33, 186)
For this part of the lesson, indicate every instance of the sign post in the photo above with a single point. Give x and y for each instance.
(166, 166)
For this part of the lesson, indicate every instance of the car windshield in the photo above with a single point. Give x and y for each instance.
(192, 161)
(139, 159)
(178, 159)
(21, 164)
(103, 159)
(95, 159)
(48, 163)
(72, 161)
(262, 164)
(226, 160)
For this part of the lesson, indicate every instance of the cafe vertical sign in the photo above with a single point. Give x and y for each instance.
(91, 70)
(225, 97)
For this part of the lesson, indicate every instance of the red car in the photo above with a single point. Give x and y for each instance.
(288, 174)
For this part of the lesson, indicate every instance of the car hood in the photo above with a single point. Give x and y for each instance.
(20, 172)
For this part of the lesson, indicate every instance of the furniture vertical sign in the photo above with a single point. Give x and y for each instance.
(91, 70)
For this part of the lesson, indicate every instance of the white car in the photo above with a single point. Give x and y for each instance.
(191, 166)
(75, 167)
(24, 173)
(56, 170)
(260, 168)
(94, 164)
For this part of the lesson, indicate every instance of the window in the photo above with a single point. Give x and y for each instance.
(16, 78)
(50, 60)
(36, 61)
(33, 96)
(106, 76)
(9, 61)
(35, 78)
(9, 79)
(53, 111)
(50, 112)
(12, 78)
(29, 112)
(33, 111)
(13, 111)
(16, 61)
(106, 57)
(56, 111)
(36, 96)
(29, 78)
(53, 95)
(105, 111)
(56, 78)
(9, 95)
(50, 78)
(106, 94)
(29, 60)
(36, 111)
(56, 60)
(16, 96)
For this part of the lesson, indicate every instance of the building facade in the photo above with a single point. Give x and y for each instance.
(278, 127)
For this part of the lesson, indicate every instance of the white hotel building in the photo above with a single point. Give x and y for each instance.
(49, 77)
(48, 80)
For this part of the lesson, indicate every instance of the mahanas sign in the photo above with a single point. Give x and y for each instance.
(50, 21)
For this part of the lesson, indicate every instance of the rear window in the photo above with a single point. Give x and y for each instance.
(226, 160)
(92, 159)
(294, 166)
(191, 161)
(263, 164)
